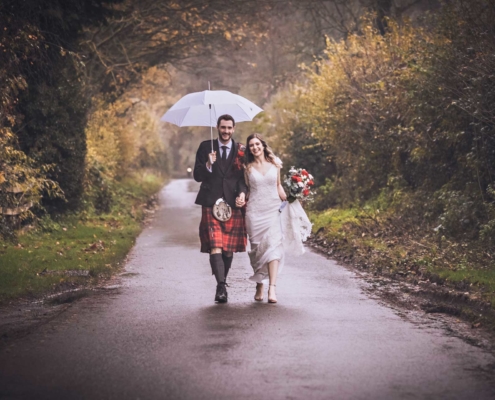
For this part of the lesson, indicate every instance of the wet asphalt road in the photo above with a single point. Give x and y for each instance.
(160, 336)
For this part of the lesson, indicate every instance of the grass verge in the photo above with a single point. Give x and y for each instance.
(383, 244)
(79, 249)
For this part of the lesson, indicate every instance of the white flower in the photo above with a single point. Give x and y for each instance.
(310, 177)
(300, 184)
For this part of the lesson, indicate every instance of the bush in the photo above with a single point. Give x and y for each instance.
(43, 105)
(409, 113)
(52, 131)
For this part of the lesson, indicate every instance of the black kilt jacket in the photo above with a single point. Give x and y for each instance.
(224, 181)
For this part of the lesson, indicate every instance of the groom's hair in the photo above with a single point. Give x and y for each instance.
(225, 117)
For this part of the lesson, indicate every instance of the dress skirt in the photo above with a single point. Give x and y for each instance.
(265, 236)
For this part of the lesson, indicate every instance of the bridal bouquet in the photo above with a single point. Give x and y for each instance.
(298, 183)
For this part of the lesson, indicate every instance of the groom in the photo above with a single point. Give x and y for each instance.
(221, 177)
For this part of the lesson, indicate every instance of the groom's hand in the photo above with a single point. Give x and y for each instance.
(240, 200)
(212, 157)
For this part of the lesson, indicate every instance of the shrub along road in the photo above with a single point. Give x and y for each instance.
(77, 251)
(159, 335)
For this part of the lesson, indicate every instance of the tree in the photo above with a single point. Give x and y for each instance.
(147, 33)
(45, 96)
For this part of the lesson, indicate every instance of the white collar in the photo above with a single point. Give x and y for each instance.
(220, 144)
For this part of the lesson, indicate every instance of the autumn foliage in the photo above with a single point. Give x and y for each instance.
(77, 112)
(405, 118)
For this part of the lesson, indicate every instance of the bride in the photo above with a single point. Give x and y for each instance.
(270, 227)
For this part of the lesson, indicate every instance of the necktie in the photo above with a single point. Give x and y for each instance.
(224, 155)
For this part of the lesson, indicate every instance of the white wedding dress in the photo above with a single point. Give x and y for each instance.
(272, 233)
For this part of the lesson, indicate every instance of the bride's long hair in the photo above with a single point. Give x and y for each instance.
(249, 157)
(267, 151)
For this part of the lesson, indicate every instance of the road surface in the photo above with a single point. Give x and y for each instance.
(160, 335)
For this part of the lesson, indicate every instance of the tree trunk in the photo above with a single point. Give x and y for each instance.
(383, 9)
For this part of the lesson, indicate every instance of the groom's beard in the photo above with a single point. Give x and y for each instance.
(225, 137)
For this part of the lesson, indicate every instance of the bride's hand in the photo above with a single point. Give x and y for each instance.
(240, 200)
(281, 193)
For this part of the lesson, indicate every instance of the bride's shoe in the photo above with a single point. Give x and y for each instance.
(273, 298)
(259, 292)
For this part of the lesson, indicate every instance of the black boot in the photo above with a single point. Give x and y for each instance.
(218, 269)
(227, 262)
(221, 296)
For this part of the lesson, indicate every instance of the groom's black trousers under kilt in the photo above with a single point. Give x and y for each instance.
(230, 236)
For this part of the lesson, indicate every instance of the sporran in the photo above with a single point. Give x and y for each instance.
(221, 210)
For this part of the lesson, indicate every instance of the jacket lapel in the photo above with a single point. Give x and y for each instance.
(232, 155)
(218, 164)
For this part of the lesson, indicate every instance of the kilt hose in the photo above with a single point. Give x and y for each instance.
(230, 236)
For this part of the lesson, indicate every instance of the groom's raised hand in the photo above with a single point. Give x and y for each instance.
(212, 157)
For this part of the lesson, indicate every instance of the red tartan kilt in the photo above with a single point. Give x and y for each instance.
(230, 236)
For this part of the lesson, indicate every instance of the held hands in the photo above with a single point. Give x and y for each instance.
(240, 200)
(212, 158)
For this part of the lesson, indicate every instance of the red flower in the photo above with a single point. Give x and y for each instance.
(296, 178)
(305, 192)
(311, 183)
(304, 172)
(239, 160)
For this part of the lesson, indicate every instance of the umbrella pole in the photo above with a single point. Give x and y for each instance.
(211, 132)
(211, 128)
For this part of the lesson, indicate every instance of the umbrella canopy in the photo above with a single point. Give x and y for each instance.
(204, 108)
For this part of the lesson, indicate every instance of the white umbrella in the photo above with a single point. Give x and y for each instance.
(204, 108)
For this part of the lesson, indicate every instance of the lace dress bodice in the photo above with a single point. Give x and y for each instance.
(263, 192)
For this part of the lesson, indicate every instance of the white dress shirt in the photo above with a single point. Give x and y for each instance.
(220, 144)
(220, 150)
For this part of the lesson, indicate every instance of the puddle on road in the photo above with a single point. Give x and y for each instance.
(128, 274)
(111, 287)
(68, 296)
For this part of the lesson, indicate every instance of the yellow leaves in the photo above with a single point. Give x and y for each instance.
(227, 35)
(2, 178)
(418, 153)
(125, 133)
(102, 133)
